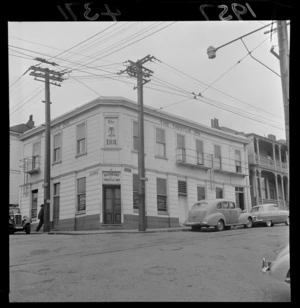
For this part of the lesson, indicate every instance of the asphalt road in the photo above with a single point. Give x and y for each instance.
(205, 266)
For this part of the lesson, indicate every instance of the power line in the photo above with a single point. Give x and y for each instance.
(87, 86)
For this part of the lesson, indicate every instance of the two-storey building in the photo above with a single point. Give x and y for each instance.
(94, 160)
(269, 166)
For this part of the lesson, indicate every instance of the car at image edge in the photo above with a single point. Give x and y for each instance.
(269, 214)
(218, 213)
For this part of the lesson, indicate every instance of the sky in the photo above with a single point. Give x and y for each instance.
(240, 92)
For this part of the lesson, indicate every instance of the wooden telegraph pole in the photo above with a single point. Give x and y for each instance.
(137, 70)
(45, 75)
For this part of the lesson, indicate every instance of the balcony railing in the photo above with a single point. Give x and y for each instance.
(32, 164)
(268, 163)
(193, 158)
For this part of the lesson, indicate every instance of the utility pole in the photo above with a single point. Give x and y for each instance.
(136, 69)
(46, 76)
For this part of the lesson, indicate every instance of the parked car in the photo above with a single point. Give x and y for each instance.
(17, 223)
(269, 214)
(218, 213)
(280, 268)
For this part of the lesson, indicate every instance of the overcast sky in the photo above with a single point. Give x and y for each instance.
(244, 96)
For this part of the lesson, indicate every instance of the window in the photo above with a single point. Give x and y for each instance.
(36, 152)
(161, 187)
(254, 209)
(57, 148)
(34, 202)
(231, 205)
(135, 179)
(135, 136)
(217, 158)
(81, 139)
(219, 205)
(238, 161)
(201, 192)
(203, 205)
(182, 190)
(225, 205)
(160, 142)
(180, 148)
(199, 149)
(56, 193)
(219, 192)
(81, 196)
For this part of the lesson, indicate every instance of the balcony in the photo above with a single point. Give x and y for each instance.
(32, 164)
(268, 163)
(192, 158)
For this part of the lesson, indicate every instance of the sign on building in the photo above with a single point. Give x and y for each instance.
(111, 177)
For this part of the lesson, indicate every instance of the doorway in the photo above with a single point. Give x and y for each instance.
(112, 204)
(239, 197)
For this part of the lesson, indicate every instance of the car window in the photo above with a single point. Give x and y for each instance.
(225, 205)
(231, 205)
(203, 205)
(219, 205)
(271, 208)
(254, 209)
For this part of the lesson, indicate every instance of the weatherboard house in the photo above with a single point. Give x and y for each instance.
(94, 167)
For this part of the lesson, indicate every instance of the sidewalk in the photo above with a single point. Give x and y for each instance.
(83, 232)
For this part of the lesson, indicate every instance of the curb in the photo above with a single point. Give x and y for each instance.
(116, 231)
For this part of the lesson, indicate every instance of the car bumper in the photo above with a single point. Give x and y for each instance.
(267, 267)
(195, 223)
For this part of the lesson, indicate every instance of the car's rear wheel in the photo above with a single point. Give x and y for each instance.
(287, 222)
(220, 225)
(269, 223)
(249, 223)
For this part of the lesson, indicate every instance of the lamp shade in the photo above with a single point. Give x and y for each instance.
(211, 52)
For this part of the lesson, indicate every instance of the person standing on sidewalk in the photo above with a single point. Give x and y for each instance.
(41, 218)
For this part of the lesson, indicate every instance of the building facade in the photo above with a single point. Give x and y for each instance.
(15, 155)
(269, 170)
(94, 174)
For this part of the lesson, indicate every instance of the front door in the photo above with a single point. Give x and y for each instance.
(111, 204)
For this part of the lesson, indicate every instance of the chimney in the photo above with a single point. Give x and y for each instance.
(30, 122)
(272, 137)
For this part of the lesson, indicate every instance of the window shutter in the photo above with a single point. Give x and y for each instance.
(182, 190)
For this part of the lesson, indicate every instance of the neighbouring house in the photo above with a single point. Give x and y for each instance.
(94, 167)
(268, 167)
(15, 148)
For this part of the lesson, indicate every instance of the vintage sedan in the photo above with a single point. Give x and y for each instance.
(279, 268)
(218, 213)
(269, 214)
(17, 222)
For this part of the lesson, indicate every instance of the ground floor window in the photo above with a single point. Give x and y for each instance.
(201, 192)
(161, 186)
(135, 180)
(219, 192)
(81, 194)
(34, 203)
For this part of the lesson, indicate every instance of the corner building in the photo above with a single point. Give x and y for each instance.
(94, 167)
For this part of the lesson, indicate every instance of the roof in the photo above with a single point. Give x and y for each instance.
(124, 102)
(20, 128)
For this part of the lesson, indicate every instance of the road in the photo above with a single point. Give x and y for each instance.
(203, 266)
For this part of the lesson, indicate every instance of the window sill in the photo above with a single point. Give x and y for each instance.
(80, 213)
(111, 149)
(161, 157)
(162, 213)
(56, 162)
(81, 154)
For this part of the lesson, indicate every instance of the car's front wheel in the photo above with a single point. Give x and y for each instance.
(269, 223)
(220, 225)
(287, 222)
(27, 229)
(249, 223)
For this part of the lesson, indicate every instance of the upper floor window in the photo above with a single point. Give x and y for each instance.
(57, 148)
(181, 148)
(238, 161)
(160, 142)
(36, 152)
(217, 158)
(81, 138)
(135, 137)
(199, 149)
